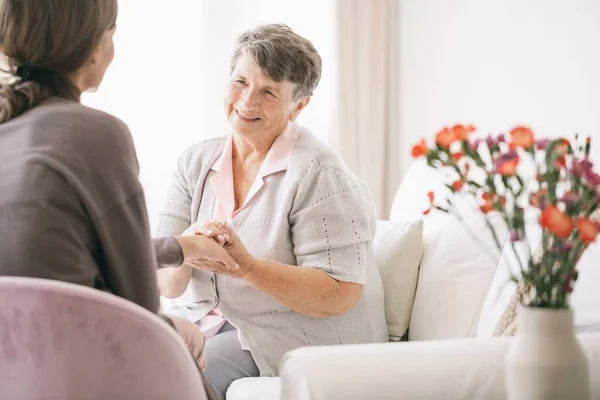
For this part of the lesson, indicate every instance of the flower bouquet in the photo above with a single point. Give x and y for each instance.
(563, 196)
(520, 179)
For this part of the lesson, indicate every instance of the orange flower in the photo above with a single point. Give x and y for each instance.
(508, 168)
(506, 165)
(486, 208)
(457, 185)
(556, 222)
(562, 147)
(431, 197)
(445, 137)
(462, 132)
(521, 137)
(588, 230)
(488, 204)
(456, 156)
(420, 149)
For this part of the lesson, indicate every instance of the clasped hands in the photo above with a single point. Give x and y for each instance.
(221, 252)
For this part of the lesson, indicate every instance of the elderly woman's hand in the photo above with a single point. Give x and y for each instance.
(232, 244)
(210, 229)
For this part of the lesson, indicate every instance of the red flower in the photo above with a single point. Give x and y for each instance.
(456, 156)
(488, 203)
(506, 165)
(445, 137)
(486, 208)
(462, 132)
(521, 137)
(420, 149)
(431, 197)
(588, 230)
(457, 185)
(560, 162)
(556, 221)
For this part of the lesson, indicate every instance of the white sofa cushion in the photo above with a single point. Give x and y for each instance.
(255, 389)
(459, 259)
(447, 369)
(398, 247)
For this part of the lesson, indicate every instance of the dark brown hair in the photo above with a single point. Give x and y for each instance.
(44, 41)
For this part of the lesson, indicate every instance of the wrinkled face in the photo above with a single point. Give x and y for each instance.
(256, 106)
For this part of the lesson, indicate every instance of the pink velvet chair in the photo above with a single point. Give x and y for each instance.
(64, 341)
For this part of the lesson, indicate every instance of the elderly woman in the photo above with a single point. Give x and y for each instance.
(303, 223)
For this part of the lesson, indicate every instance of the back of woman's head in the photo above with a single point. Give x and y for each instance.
(44, 43)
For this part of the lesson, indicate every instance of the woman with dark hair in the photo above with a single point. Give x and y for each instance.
(71, 205)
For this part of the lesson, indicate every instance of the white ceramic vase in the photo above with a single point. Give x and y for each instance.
(545, 360)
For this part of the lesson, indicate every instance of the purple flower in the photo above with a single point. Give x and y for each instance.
(567, 287)
(501, 138)
(541, 144)
(490, 141)
(564, 248)
(515, 237)
(581, 167)
(592, 178)
(570, 198)
(474, 145)
(507, 157)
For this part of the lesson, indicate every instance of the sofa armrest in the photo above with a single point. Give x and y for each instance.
(450, 369)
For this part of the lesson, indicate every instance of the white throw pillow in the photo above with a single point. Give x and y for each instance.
(459, 259)
(398, 248)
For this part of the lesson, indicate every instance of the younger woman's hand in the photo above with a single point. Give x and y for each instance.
(200, 247)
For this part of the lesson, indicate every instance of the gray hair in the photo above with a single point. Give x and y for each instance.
(282, 55)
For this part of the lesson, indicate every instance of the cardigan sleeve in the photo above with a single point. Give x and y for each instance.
(332, 225)
(175, 216)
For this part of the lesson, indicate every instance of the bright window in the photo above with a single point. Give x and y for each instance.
(171, 67)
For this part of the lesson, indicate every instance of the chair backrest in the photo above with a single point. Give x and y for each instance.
(64, 341)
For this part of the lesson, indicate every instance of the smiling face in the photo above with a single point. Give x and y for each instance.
(257, 106)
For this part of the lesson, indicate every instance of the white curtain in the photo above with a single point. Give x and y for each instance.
(366, 94)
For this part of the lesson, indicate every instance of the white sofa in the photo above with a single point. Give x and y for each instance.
(460, 296)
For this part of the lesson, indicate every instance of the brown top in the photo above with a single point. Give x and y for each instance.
(72, 207)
